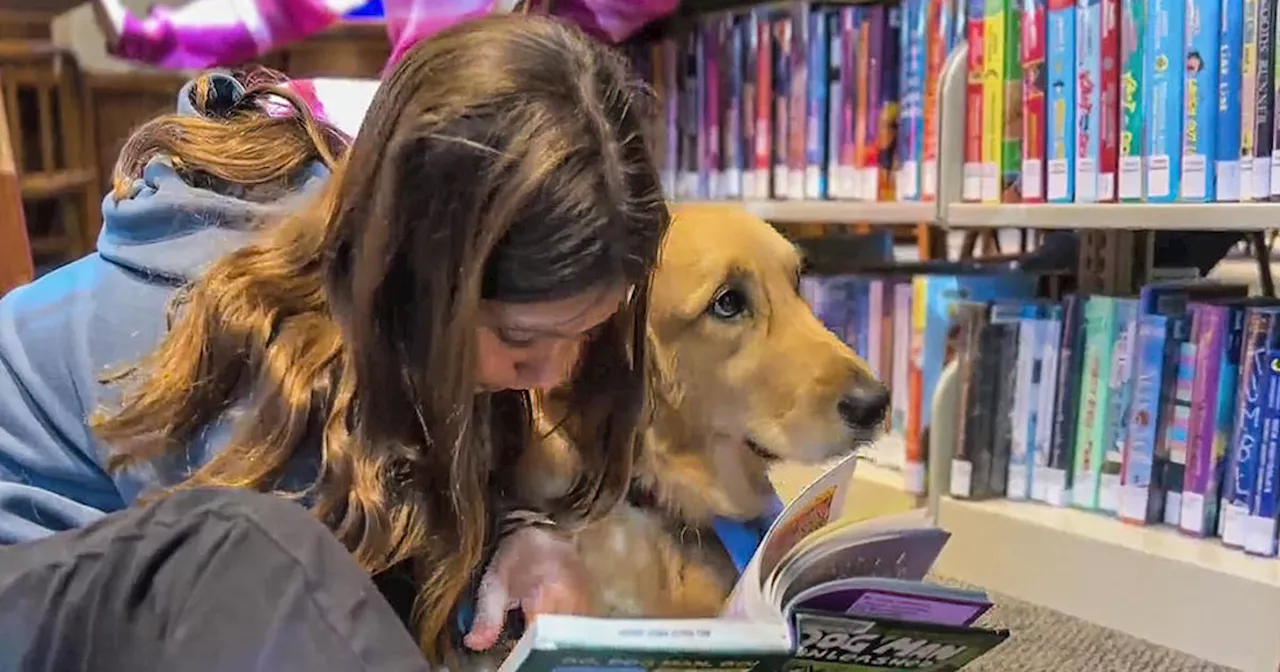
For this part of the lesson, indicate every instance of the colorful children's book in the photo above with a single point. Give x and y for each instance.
(970, 319)
(782, 85)
(1025, 398)
(713, 94)
(993, 63)
(1177, 423)
(1034, 142)
(1163, 79)
(936, 48)
(1050, 339)
(735, 136)
(797, 143)
(1119, 398)
(1264, 118)
(1088, 93)
(1109, 101)
(902, 328)
(1137, 502)
(888, 159)
(1101, 332)
(1011, 131)
(842, 96)
(816, 108)
(1240, 482)
(1227, 145)
(975, 93)
(813, 582)
(1059, 462)
(1200, 114)
(1060, 45)
(1264, 506)
(1133, 22)
(911, 120)
(1248, 96)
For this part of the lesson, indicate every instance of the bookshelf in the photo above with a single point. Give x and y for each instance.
(1102, 216)
(839, 212)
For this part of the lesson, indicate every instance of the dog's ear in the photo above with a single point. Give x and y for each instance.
(664, 386)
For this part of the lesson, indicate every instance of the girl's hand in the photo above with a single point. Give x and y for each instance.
(537, 570)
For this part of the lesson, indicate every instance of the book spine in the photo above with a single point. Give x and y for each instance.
(1046, 408)
(1144, 418)
(1178, 428)
(1009, 317)
(796, 144)
(993, 98)
(1011, 128)
(850, 23)
(882, 37)
(1163, 467)
(1060, 47)
(862, 103)
(783, 82)
(1264, 506)
(1133, 23)
(1274, 91)
(1208, 329)
(935, 58)
(1034, 142)
(1227, 144)
(899, 391)
(975, 78)
(875, 306)
(1109, 101)
(709, 58)
(1165, 28)
(690, 108)
(1058, 464)
(1018, 483)
(835, 104)
(763, 119)
(1243, 469)
(911, 114)
(735, 139)
(970, 321)
(1088, 110)
(749, 29)
(1119, 398)
(1264, 118)
(1248, 96)
(815, 162)
(888, 344)
(671, 106)
(1099, 337)
(914, 469)
(888, 162)
(1200, 115)
(982, 412)
(1224, 426)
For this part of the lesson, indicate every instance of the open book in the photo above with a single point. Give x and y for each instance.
(819, 594)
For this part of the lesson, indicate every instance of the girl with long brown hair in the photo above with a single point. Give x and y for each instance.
(365, 342)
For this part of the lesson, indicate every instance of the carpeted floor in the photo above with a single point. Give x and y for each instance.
(1043, 640)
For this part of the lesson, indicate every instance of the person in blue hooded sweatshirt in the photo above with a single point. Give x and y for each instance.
(362, 345)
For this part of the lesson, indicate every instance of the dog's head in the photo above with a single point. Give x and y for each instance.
(742, 355)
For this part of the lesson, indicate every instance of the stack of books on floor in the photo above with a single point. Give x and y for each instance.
(1160, 409)
(802, 100)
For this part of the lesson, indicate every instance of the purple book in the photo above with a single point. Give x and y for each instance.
(796, 157)
(1208, 332)
(712, 62)
(671, 98)
(875, 61)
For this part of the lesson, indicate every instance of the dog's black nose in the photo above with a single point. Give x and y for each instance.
(865, 406)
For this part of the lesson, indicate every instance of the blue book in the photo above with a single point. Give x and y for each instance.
(1138, 504)
(1242, 470)
(815, 177)
(1026, 394)
(1264, 507)
(1227, 146)
(1119, 396)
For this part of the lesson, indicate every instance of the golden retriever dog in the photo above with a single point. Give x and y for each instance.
(747, 376)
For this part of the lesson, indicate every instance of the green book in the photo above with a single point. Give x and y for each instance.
(1095, 407)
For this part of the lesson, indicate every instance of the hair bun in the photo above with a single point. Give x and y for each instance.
(213, 94)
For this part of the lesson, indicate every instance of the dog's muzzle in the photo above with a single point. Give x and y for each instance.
(865, 406)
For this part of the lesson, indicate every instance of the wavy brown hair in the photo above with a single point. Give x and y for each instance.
(503, 158)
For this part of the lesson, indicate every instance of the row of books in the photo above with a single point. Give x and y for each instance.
(802, 101)
(898, 322)
(1158, 409)
(1077, 101)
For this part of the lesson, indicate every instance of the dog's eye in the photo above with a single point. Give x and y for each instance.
(728, 304)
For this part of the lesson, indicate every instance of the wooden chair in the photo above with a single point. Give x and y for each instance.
(15, 252)
(53, 148)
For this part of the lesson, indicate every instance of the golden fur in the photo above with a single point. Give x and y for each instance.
(768, 380)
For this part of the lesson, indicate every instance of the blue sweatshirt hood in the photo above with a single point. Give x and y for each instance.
(169, 230)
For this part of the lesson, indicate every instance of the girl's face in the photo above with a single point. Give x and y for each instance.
(535, 346)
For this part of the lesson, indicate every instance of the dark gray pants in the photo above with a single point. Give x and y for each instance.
(212, 580)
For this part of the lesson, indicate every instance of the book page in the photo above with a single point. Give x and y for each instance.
(815, 507)
(906, 554)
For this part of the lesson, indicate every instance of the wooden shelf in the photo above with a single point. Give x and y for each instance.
(1146, 216)
(839, 212)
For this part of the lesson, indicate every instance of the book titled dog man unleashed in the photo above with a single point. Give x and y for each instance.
(819, 594)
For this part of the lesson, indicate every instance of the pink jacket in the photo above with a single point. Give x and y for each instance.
(211, 33)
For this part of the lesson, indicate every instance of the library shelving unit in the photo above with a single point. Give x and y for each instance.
(815, 211)
(1193, 595)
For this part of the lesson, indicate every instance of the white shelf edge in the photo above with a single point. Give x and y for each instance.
(1146, 216)
(1191, 595)
(834, 212)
